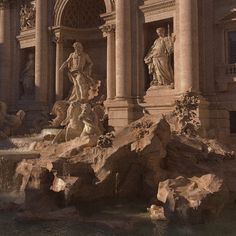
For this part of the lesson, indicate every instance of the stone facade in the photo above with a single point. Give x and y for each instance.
(118, 35)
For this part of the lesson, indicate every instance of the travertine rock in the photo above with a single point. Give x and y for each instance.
(156, 212)
(193, 199)
(127, 169)
(141, 156)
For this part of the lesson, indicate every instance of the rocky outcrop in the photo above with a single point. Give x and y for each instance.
(195, 176)
(128, 168)
(193, 199)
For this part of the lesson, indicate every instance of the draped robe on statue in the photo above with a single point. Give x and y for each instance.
(84, 87)
(158, 61)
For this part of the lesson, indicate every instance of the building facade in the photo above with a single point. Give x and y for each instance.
(36, 37)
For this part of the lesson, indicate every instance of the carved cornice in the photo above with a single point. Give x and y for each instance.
(229, 18)
(157, 6)
(26, 38)
(107, 29)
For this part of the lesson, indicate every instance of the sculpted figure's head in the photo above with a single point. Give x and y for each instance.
(78, 47)
(161, 32)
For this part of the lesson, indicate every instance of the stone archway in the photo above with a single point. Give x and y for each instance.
(61, 4)
(79, 21)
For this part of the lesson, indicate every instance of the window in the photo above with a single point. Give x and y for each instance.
(232, 117)
(232, 47)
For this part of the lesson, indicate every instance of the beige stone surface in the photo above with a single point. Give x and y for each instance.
(199, 60)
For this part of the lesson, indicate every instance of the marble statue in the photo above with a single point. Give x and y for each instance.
(28, 76)
(60, 111)
(80, 66)
(73, 123)
(9, 123)
(78, 116)
(158, 59)
(27, 16)
(91, 121)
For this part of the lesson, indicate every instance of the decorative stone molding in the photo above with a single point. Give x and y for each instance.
(26, 38)
(107, 29)
(27, 16)
(159, 5)
(229, 18)
(113, 4)
(60, 6)
(58, 39)
(158, 10)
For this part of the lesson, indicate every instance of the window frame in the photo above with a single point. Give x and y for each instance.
(227, 55)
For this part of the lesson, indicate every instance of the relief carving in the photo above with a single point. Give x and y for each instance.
(27, 16)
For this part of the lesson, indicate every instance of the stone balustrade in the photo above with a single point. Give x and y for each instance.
(230, 69)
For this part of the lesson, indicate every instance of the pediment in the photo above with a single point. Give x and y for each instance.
(230, 17)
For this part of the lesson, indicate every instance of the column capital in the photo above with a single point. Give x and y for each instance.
(58, 39)
(5, 4)
(107, 29)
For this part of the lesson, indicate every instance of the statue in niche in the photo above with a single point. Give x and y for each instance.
(80, 66)
(82, 119)
(28, 77)
(158, 59)
(27, 16)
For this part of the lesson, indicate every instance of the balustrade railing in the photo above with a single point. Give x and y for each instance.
(231, 69)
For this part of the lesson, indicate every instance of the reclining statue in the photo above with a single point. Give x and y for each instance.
(9, 124)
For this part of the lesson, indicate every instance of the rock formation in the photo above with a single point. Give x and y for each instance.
(193, 199)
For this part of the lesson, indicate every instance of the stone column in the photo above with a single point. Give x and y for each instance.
(59, 74)
(123, 49)
(188, 45)
(41, 52)
(109, 32)
(5, 51)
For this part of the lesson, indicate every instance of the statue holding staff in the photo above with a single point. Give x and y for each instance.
(158, 59)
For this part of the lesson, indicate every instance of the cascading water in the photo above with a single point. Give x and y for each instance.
(12, 152)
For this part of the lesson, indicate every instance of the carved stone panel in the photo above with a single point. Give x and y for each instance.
(27, 15)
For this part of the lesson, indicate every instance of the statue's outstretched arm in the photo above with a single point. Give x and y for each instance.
(65, 64)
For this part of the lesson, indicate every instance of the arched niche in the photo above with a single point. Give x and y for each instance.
(79, 20)
(61, 4)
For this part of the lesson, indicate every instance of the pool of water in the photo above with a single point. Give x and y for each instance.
(118, 220)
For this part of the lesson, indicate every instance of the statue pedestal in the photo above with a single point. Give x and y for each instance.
(160, 100)
(160, 96)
